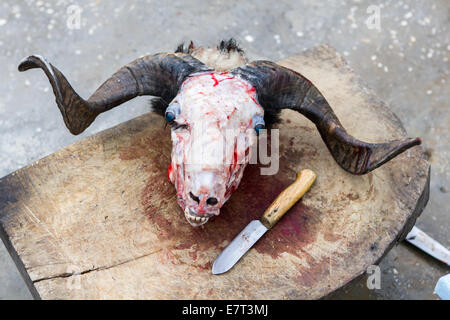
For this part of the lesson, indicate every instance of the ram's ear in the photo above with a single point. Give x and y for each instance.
(282, 88)
(158, 75)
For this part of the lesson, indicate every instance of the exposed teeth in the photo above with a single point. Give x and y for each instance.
(194, 220)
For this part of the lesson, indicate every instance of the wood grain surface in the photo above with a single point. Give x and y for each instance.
(99, 220)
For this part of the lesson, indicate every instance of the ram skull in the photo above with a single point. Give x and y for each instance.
(207, 94)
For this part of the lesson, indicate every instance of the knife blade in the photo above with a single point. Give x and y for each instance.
(257, 228)
(426, 243)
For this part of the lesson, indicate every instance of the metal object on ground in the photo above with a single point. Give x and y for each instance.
(442, 288)
(424, 242)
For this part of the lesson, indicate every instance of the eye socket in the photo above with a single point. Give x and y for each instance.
(259, 123)
(258, 128)
(176, 125)
(169, 116)
(172, 111)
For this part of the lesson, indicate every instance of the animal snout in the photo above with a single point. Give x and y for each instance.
(210, 201)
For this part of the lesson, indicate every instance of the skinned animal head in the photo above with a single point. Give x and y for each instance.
(214, 119)
(216, 102)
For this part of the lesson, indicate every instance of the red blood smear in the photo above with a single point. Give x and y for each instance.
(169, 171)
(230, 190)
(252, 93)
(216, 82)
(290, 235)
(235, 156)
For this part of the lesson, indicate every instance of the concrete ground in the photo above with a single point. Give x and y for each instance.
(404, 59)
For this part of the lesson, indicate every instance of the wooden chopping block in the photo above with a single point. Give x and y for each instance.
(99, 219)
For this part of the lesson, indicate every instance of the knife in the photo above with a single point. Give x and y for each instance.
(257, 228)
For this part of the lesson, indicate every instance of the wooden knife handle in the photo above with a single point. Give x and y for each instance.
(288, 197)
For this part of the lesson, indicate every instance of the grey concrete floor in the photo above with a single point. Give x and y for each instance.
(405, 60)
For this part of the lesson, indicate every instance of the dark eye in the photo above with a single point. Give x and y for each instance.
(170, 116)
(258, 128)
(172, 111)
(258, 121)
(176, 125)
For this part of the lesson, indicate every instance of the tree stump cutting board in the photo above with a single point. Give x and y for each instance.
(99, 219)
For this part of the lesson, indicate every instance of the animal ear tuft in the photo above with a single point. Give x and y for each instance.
(158, 105)
(183, 49)
(228, 46)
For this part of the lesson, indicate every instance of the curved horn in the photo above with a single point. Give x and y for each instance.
(157, 75)
(279, 88)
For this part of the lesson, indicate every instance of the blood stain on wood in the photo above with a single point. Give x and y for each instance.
(255, 194)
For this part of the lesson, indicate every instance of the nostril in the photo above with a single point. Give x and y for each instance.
(196, 199)
(212, 201)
